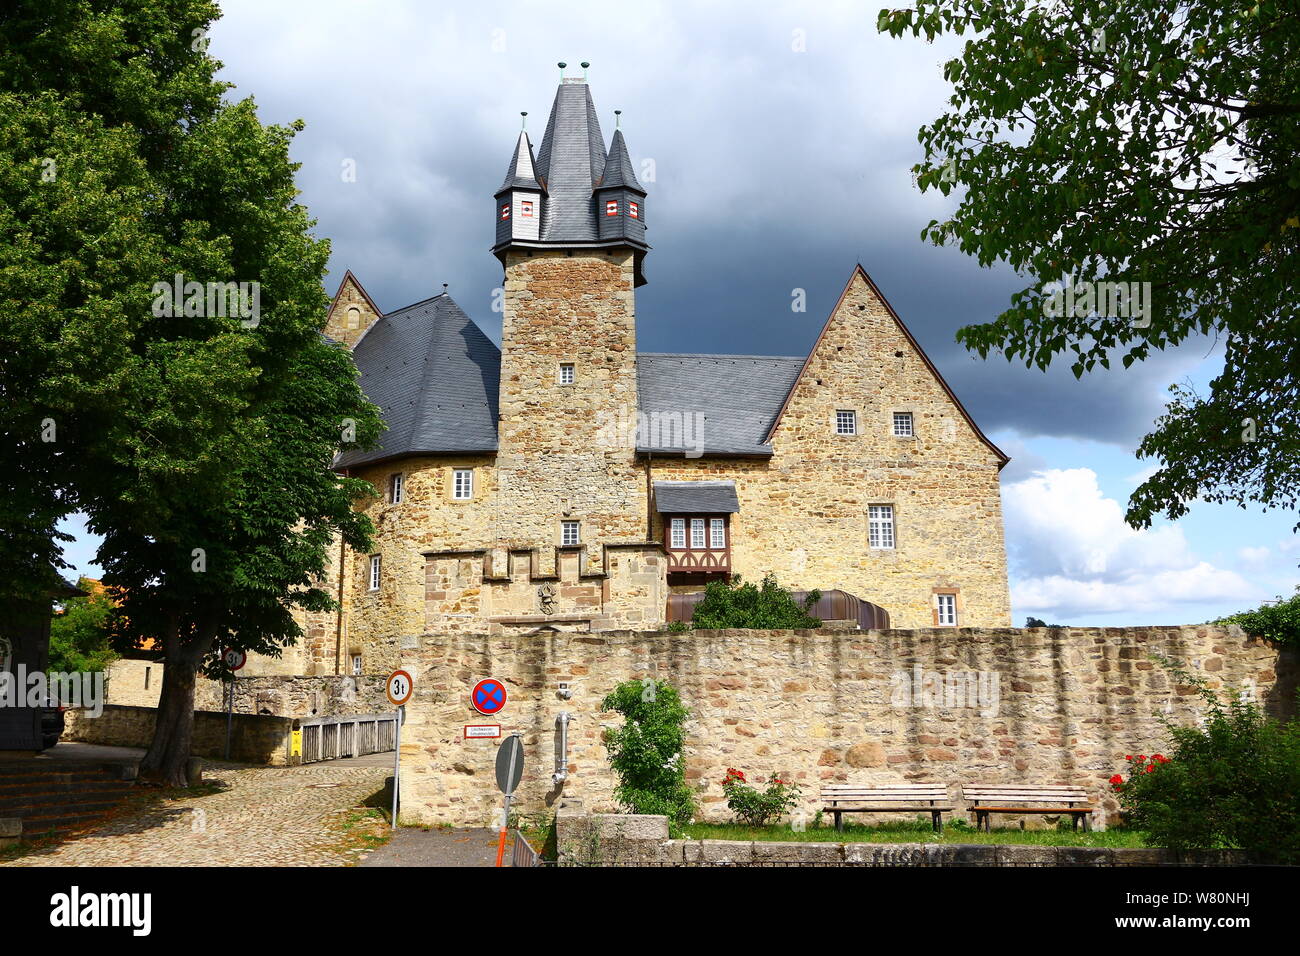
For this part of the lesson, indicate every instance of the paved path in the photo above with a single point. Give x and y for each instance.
(411, 846)
(263, 816)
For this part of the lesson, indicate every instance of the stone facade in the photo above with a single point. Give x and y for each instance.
(1050, 706)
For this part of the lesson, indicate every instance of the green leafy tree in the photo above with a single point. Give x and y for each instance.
(1277, 621)
(79, 631)
(737, 603)
(647, 752)
(198, 444)
(1149, 141)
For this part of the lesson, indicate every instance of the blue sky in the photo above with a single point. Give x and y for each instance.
(782, 137)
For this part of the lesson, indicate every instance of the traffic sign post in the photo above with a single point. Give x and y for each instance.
(399, 689)
(510, 768)
(488, 696)
(234, 660)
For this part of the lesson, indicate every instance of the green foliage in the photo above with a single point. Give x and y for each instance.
(647, 751)
(1278, 621)
(79, 637)
(1038, 622)
(677, 626)
(1149, 141)
(740, 604)
(1229, 783)
(755, 807)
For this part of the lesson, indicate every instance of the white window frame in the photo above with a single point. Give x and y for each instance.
(697, 534)
(905, 420)
(396, 488)
(717, 534)
(356, 664)
(880, 527)
(376, 569)
(567, 374)
(846, 417)
(570, 526)
(677, 533)
(462, 491)
(945, 601)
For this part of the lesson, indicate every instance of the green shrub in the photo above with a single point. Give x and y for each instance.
(1278, 621)
(646, 752)
(737, 604)
(757, 807)
(1232, 782)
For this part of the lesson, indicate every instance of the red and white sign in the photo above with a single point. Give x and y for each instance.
(399, 688)
(488, 696)
(233, 659)
(482, 731)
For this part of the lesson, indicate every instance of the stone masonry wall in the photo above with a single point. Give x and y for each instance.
(820, 707)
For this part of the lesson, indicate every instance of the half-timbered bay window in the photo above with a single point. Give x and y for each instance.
(697, 528)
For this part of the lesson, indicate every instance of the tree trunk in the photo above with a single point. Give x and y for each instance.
(168, 756)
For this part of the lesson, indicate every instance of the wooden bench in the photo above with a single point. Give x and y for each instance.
(931, 798)
(1026, 798)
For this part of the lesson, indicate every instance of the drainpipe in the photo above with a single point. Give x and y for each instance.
(562, 755)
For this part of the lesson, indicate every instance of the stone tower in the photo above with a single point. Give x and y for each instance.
(568, 344)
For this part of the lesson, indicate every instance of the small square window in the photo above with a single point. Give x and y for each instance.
(374, 572)
(611, 208)
(903, 424)
(697, 532)
(396, 490)
(717, 534)
(568, 532)
(462, 484)
(356, 664)
(880, 527)
(678, 527)
(505, 211)
(945, 610)
(634, 210)
(846, 422)
(566, 373)
(526, 209)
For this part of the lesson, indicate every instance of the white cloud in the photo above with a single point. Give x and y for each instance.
(1255, 558)
(1072, 553)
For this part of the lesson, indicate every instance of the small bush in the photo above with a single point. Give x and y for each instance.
(1229, 783)
(1278, 621)
(646, 752)
(737, 604)
(757, 807)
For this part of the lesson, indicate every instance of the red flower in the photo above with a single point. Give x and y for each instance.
(1117, 781)
(1128, 756)
(1150, 767)
(1161, 757)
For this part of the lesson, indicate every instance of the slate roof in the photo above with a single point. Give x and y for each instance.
(522, 173)
(702, 497)
(738, 397)
(618, 166)
(435, 375)
(570, 162)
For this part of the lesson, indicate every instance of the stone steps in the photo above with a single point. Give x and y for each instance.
(54, 796)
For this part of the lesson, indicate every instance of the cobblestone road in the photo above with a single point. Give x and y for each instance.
(263, 816)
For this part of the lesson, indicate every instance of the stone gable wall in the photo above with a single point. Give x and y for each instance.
(819, 707)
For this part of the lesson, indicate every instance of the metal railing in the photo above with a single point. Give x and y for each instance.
(333, 738)
(523, 853)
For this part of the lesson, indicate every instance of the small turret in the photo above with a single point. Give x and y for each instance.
(620, 200)
(519, 200)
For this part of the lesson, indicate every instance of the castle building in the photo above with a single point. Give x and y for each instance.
(568, 481)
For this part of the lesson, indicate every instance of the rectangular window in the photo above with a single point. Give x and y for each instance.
(356, 663)
(611, 208)
(395, 489)
(945, 613)
(566, 373)
(717, 533)
(526, 209)
(374, 572)
(678, 533)
(633, 210)
(462, 484)
(697, 532)
(880, 526)
(903, 424)
(568, 532)
(505, 211)
(846, 422)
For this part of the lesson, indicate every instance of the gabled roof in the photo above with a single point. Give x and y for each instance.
(570, 162)
(618, 167)
(434, 374)
(522, 173)
(738, 397)
(1003, 458)
(349, 277)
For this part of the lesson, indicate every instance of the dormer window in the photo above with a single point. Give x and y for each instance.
(634, 210)
(526, 209)
(611, 208)
(505, 211)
